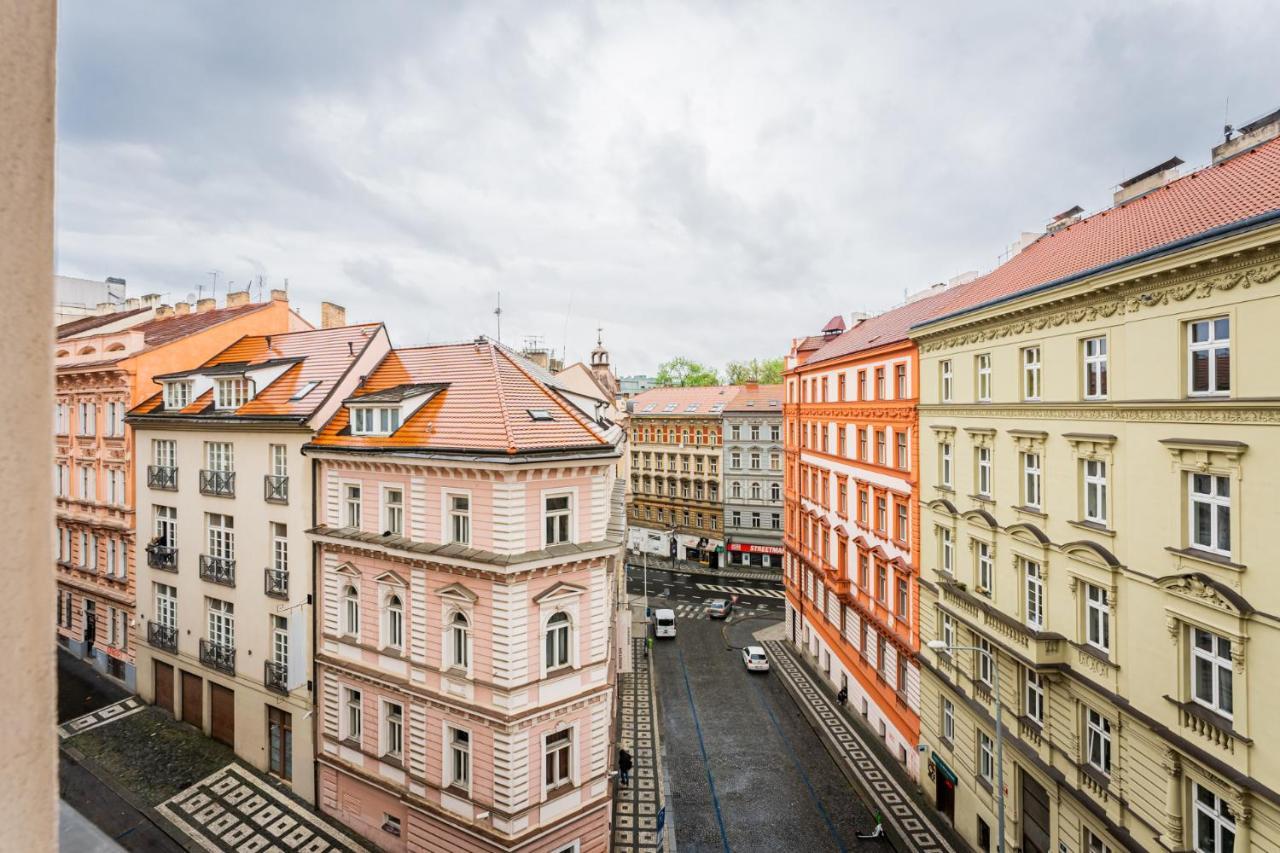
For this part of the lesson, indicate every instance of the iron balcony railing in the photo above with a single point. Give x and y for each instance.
(162, 557)
(275, 488)
(277, 583)
(162, 477)
(220, 483)
(218, 656)
(276, 676)
(218, 570)
(162, 636)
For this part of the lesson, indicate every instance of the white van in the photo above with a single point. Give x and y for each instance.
(664, 623)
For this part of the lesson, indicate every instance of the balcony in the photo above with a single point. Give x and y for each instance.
(219, 570)
(276, 583)
(162, 557)
(218, 656)
(275, 676)
(162, 477)
(275, 489)
(162, 636)
(219, 483)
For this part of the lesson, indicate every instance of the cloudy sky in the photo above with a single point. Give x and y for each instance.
(699, 178)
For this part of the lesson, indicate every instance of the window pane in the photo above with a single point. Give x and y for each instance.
(1221, 329)
(1200, 371)
(1202, 524)
(1224, 690)
(1224, 528)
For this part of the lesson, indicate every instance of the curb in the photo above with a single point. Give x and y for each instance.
(668, 844)
(708, 573)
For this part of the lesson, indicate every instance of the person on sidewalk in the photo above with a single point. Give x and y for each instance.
(842, 696)
(624, 766)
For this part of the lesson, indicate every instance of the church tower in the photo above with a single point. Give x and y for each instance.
(600, 366)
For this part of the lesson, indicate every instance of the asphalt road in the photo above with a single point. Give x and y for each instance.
(745, 769)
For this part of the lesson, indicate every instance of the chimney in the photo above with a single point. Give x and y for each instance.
(206, 304)
(132, 304)
(1252, 135)
(279, 296)
(332, 315)
(182, 309)
(150, 299)
(1065, 218)
(238, 297)
(105, 308)
(163, 311)
(111, 279)
(1152, 179)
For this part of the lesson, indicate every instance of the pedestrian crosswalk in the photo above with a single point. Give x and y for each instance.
(699, 610)
(743, 590)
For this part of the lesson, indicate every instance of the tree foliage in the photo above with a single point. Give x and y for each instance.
(767, 371)
(685, 372)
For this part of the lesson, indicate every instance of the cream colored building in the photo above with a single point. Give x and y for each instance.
(1100, 448)
(225, 598)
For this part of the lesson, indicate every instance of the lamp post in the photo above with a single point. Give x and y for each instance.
(941, 646)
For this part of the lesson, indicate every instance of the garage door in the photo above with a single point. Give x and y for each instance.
(222, 714)
(163, 673)
(192, 700)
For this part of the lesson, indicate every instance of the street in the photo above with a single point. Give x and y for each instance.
(745, 769)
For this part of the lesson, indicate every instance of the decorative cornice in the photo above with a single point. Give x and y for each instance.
(1220, 412)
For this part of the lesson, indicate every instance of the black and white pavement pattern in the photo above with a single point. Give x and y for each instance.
(635, 806)
(100, 717)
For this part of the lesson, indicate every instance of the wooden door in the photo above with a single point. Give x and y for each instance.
(1035, 816)
(192, 700)
(280, 742)
(163, 676)
(222, 714)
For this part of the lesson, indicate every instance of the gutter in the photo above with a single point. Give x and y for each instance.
(1155, 252)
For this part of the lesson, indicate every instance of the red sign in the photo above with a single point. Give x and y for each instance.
(755, 549)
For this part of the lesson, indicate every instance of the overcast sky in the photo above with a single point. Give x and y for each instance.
(706, 179)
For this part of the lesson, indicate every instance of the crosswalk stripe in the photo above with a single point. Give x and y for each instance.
(742, 590)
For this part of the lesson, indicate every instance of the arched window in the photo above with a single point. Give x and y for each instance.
(557, 641)
(350, 611)
(393, 623)
(775, 492)
(755, 491)
(459, 641)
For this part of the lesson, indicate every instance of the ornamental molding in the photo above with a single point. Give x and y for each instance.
(1141, 297)
(1213, 413)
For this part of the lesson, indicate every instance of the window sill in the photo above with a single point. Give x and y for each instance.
(1209, 717)
(458, 789)
(558, 790)
(1093, 527)
(1205, 558)
(983, 499)
(1096, 653)
(1030, 510)
(986, 785)
(393, 760)
(1102, 780)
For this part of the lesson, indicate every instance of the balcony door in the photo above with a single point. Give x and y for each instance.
(280, 742)
(163, 675)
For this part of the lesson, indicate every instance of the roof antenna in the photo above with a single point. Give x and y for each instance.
(497, 313)
(564, 341)
(1227, 129)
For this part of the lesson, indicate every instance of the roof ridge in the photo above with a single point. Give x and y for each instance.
(569, 410)
(502, 401)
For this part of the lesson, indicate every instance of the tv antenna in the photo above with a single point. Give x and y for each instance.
(497, 313)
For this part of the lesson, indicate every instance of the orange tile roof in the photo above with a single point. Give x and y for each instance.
(483, 408)
(1231, 192)
(756, 398)
(320, 356)
(704, 397)
(167, 329)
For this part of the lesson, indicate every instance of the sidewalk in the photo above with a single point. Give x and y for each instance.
(692, 567)
(635, 806)
(910, 822)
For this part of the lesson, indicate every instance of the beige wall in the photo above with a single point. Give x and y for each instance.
(1152, 435)
(28, 799)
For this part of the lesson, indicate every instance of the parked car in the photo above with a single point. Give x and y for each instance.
(719, 608)
(664, 623)
(755, 660)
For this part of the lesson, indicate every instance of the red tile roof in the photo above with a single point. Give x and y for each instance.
(756, 398)
(485, 407)
(1237, 189)
(680, 399)
(168, 329)
(85, 324)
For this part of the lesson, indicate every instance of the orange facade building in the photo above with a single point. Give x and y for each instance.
(105, 365)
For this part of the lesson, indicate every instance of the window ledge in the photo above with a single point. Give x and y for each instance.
(1206, 558)
(983, 499)
(1102, 780)
(1030, 510)
(393, 760)
(986, 785)
(1093, 527)
(1209, 717)
(1096, 653)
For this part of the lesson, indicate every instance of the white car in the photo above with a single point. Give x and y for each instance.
(754, 659)
(664, 623)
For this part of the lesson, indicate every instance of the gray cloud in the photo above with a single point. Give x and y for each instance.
(700, 179)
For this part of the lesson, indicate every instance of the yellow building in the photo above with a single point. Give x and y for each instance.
(1100, 448)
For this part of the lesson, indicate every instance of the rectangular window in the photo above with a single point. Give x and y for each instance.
(232, 393)
(1209, 356)
(222, 623)
(1033, 704)
(881, 393)
(393, 511)
(882, 582)
(393, 729)
(948, 720)
(177, 395)
(862, 384)
(166, 605)
(221, 535)
(983, 362)
(986, 662)
(164, 452)
(1215, 823)
(948, 630)
(984, 471)
(279, 546)
(1095, 491)
(88, 419)
(945, 380)
(1097, 618)
(1031, 480)
(882, 515)
(279, 460)
(1098, 730)
(354, 716)
(863, 512)
(1094, 843)
(351, 502)
(901, 439)
(902, 530)
(1211, 672)
(986, 569)
(1095, 368)
(280, 643)
(1035, 595)
(1031, 373)
(863, 452)
(459, 758)
(460, 519)
(166, 526)
(944, 457)
(557, 519)
(903, 600)
(986, 757)
(900, 381)
(1210, 511)
(557, 758)
(219, 456)
(948, 550)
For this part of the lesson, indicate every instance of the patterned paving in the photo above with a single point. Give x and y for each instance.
(882, 784)
(101, 717)
(233, 810)
(635, 807)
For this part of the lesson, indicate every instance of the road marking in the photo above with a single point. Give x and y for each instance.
(711, 779)
(102, 716)
(742, 590)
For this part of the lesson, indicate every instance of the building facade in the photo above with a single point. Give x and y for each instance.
(105, 363)
(752, 455)
(224, 563)
(1099, 444)
(469, 533)
(674, 501)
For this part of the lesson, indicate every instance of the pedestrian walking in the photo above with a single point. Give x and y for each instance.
(624, 765)
(843, 696)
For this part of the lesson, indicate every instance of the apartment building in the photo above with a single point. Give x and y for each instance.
(752, 454)
(469, 533)
(1099, 449)
(225, 610)
(104, 366)
(674, 497)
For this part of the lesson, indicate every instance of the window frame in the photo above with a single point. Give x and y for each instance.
(1097, 617)
(1217, 503)
(1031, 373)
(1096, 487)
(982, 368)
(558, 525)
(1095, 367)
(1218, 666)
(1098, 733)
(946, 381)
(1212, 344)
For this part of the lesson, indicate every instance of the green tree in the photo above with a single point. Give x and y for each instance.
(765, 371)
(685, 372)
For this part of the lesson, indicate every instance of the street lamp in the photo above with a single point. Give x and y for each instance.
(941, 646)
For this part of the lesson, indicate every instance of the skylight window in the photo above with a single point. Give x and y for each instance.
(306, 389)
(649, 407)
(751, 404)
(540, 415)
(717, 407)
(670, 407)
(692, 407)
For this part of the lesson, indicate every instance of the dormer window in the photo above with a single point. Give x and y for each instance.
(232, 393)
(375, 421)
(177, 395)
